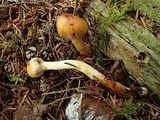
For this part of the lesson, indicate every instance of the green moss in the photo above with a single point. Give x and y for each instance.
(130, 109)
(113, 15)
(151, 8)
(106, 17)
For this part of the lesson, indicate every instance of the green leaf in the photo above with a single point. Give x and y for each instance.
(14, 79)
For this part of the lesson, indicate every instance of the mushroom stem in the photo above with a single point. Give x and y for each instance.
(81, 46)
(36, 67)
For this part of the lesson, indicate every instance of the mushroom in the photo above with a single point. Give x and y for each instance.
(36, 67)
(74, 28)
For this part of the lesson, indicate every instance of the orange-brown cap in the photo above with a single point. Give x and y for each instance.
(69, 26)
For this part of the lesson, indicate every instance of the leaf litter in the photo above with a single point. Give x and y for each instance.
(27, 30)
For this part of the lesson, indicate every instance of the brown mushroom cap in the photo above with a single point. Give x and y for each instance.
(69, 26)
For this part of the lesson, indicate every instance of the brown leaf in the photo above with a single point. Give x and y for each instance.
(30, 112)
(87, 107)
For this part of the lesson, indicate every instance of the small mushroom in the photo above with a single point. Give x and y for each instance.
(36, 67)
(74, 28)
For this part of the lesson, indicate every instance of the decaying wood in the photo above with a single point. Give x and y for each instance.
(149, 8)
(135, 46)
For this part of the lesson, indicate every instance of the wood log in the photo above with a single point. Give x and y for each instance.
(138, 48)
(149, 8)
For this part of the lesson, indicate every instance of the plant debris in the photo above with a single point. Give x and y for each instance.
(27, 30)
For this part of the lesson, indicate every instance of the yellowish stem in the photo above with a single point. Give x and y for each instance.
(81, 46)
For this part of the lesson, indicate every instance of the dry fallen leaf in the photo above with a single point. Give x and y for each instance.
(84, 107)
(30, 112)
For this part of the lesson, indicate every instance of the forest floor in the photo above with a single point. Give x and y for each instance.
(28, 30)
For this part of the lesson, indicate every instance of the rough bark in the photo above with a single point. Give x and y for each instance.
(135, 46)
